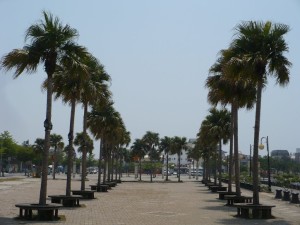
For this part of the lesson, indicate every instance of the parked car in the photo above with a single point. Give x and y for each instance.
(169, 172)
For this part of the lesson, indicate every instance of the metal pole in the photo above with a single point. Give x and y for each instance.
(250, 166)
(269, 172)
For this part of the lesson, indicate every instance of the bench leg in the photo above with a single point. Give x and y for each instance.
(21, 212)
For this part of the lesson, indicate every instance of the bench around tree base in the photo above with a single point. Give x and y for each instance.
(251, 211)
(99, 188)
(217, 188)
(86, 194)
(223, 193)
(67, 201)
(44, 212)
(232, 199)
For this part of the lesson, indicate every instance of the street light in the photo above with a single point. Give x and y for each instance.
(250, 163)
(261, 146)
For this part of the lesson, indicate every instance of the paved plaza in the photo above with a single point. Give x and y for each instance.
(139, 203)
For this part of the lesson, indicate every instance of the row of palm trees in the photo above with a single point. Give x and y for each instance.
(150, 144)
(237, 80)
(77, 77)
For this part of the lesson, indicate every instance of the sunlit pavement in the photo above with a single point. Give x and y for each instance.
(139, 203)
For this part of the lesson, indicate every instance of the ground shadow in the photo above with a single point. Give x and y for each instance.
(220, 207)
(6, 220)
(237, 221)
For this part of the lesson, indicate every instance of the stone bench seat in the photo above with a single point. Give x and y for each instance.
(99, 188)
(67, 201)
(216, 188)
(44, 212)
(250, 211)
(223, 193)
(86, 194)
(232, 199)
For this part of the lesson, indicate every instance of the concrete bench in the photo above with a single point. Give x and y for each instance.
(237, 199)
(67, 201)
(216, 188)
(44, 212)
(223, 193)
(250, 211)
(111, 184)
(99, 188)
(86, 194)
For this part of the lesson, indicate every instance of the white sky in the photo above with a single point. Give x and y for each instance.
(158, 54)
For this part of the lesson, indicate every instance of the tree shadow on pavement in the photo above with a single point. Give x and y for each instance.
(238, 221)
(220, 207)
(7, 221)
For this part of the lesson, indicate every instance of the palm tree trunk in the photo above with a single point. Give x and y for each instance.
(84, 150)
(230, 169)
(140, 168)
(256, 141)
(167, 169)
(70, 148)
(215, 166)
(99, 165)
(178, 172)
(48, 127)
(220, 163)
(236, 151)
(54, 161)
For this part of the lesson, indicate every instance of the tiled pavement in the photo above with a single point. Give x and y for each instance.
(132, 203)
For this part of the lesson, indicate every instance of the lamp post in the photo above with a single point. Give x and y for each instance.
(250, 162)
(261, 146)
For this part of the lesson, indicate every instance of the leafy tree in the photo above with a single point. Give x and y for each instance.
(165, 146)
(151, 141)
(177, 146)
(259, 48)
(50, 43)
(56, 142)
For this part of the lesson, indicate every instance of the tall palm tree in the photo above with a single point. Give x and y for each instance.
(50, 43)
(260, 48)
(67, 84)
(151, 142)
(165, 146)
(83, 140)
(218, 123)
(55, 141)
(226, 89)
(177, 146)
(93, 89)
(102, 121)
(138, 150)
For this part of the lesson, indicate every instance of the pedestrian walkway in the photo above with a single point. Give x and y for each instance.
(140, 203)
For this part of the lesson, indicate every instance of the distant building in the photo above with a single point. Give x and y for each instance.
(280, 154)
(297, 155)
(184, 160)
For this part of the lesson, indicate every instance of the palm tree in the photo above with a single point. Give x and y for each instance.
(50, 43)
(93, 89)
(55, 141)
(83, 140)
(218, 124)
(67, 84)
(102, 122)
(260, 49)
(226, 89)
(38, 148)
(165, 146)
(151, 141)
(178, 144)
(138, 151)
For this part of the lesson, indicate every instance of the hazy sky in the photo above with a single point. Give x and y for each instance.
(158, 54)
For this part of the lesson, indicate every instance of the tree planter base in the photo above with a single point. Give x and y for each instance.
(44, 212)
(278, 194)
(250, 211)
